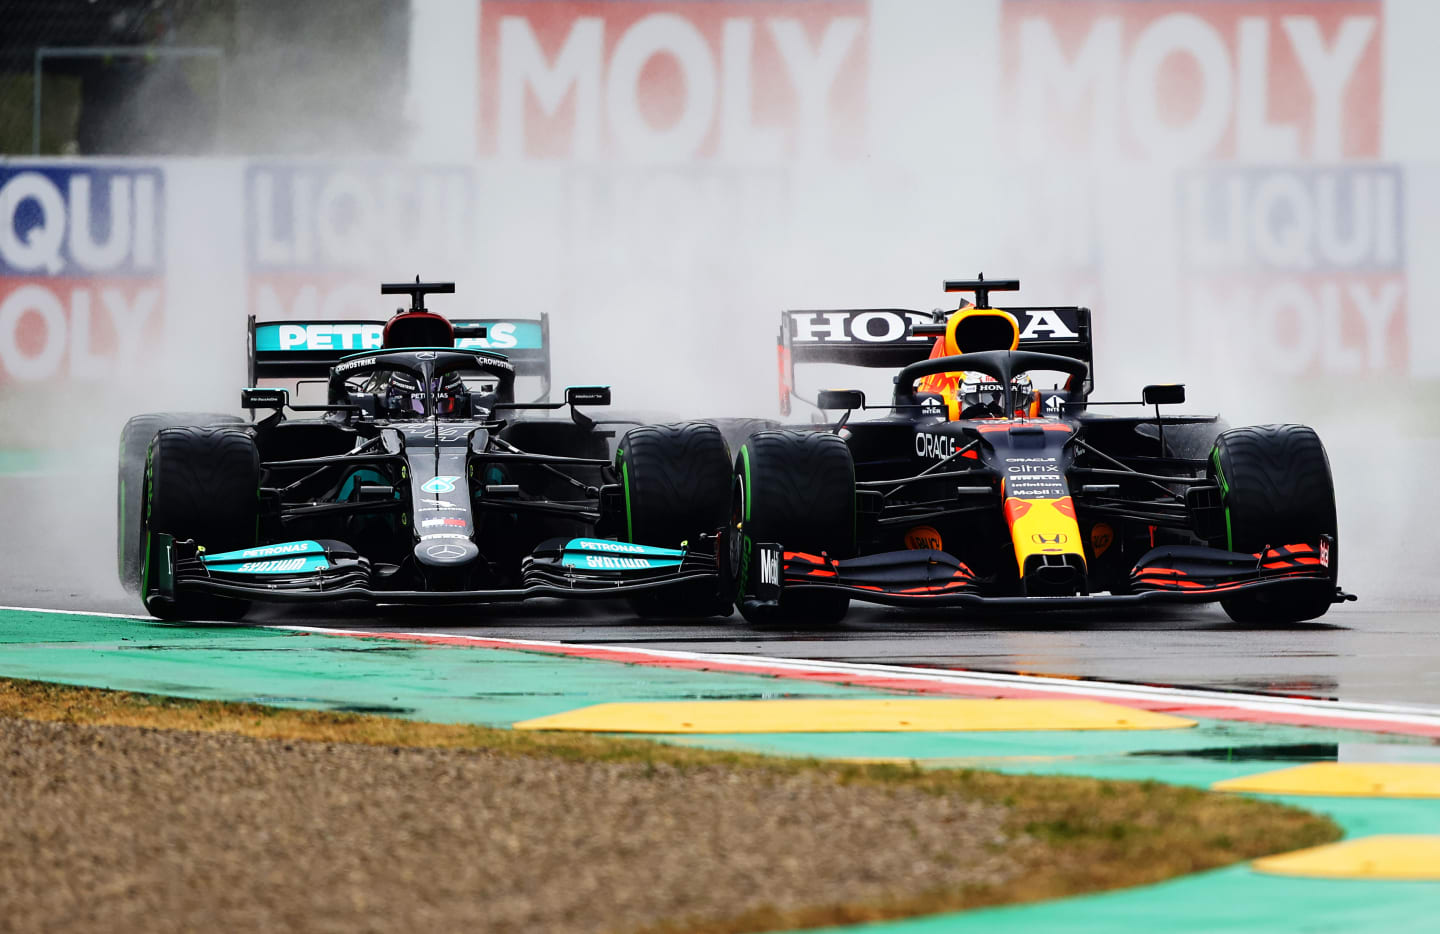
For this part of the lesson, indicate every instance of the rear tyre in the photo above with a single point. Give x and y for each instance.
(130, 481)
(1194, 441)
(739, 430)
(203, 484)
(1276, 487)
(515, 535)
(797, 489)
(676, 482)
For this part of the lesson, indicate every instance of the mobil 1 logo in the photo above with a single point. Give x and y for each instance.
(1037, 477)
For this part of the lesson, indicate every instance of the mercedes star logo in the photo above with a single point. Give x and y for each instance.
(425, 355)
(445, 551)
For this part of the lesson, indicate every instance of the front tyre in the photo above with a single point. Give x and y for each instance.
(202, 484)
(795, 489)
(676, 482)
(1276, 488)
(135, 440)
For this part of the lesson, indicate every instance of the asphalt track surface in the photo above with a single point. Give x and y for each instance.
(56, 551)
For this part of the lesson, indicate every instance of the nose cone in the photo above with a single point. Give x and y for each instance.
(446, 552)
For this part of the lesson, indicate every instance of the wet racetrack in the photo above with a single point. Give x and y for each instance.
(1382, 649)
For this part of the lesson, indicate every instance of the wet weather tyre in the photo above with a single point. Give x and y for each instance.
(676, 482)
(1193, 441)
(796, 489)
(1276, 487)
(135, 440)
(203, 484)
(738, 430)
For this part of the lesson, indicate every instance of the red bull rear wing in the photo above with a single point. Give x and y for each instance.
(292, 350)
(893, 338)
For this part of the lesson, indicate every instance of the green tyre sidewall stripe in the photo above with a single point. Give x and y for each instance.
(1224, 498)
(625, 485)
(146, 486)
(747, 546)
(120, 533)
(745, 491)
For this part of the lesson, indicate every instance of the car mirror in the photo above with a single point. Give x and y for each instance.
(256, 397)
(841, 399)
(1164, 394)
(587, 395)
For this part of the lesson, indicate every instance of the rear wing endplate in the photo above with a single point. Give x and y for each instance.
(292, 350)
(885, 337)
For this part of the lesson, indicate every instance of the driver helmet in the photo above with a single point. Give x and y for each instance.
(452, 398)
(973, 394)
(405, 397)
(983, 396)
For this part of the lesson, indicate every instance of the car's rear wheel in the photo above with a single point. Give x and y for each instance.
(795, 489)
(135, 441)
(512, 536)
(1276, 488)
(676, 482)
(1194, 441)
(202, 484)
(739, 430)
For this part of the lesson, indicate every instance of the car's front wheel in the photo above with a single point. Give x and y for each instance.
(201, 484)
(135, 440)
(676, 483)
(1276, 489)
(795, 489)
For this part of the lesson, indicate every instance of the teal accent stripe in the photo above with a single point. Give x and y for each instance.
(501, 335)
(267, 552)
(608, 547)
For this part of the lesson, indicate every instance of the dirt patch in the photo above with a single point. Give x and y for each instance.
(161, 830)
(121, 828)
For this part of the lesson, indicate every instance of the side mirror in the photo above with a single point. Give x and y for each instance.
(1164, 394)
(587, 395)
(255, 397)
(841, 399)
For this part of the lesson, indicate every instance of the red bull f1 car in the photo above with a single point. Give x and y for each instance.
(420, 479)
(977, 489)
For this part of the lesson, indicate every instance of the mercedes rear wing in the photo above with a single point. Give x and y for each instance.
(295, 350)
(893, 338)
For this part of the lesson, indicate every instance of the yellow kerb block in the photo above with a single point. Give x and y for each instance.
(1405, 857)
(880, 715)
(1347, 779)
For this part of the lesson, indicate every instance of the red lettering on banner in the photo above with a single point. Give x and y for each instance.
(316, 296)
(1296, 270)
(79, 328)
(652, 81)
(1263, 81)
(82, 256)
(1299, 325)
